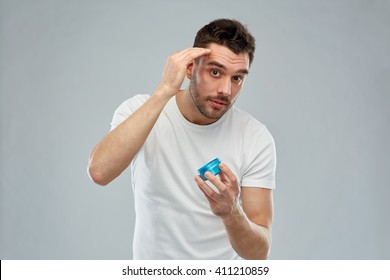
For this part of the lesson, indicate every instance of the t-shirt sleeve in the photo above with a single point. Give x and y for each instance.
(259, 160)
(127, 108)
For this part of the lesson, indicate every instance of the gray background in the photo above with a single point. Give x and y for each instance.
(320, 82)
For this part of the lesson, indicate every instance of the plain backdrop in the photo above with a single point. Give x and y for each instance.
(320, 81)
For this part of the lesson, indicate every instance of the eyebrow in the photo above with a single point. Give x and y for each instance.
(219, 65)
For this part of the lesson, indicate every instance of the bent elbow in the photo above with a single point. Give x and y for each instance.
(96, 176)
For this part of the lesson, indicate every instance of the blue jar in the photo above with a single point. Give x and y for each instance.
(212, 166)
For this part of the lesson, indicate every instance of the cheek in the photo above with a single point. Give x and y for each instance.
(202, 78)
(236, 90)
(205, 83)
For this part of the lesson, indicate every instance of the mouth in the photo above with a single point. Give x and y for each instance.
(218, 104)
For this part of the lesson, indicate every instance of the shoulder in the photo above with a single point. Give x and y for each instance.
(133, 103)
(253, 131)
(127, 108)
(246, 121)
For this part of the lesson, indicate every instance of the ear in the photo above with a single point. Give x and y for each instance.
(189, 70)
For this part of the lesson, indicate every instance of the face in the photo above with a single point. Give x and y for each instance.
(216, 81)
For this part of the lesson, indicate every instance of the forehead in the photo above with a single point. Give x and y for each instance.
(224, 56)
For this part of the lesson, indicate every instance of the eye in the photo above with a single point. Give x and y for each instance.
(215, 73)
(237, 79)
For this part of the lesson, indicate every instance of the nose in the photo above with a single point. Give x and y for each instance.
(225, 86)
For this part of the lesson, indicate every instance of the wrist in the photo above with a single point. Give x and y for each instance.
(165, 91)
(236, 216)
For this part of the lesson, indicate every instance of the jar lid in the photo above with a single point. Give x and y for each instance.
(212, 166)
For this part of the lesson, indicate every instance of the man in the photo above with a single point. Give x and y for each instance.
(167, 136)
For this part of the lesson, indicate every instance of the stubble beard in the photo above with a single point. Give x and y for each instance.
(202, 103)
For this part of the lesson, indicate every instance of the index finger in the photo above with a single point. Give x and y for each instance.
(193, 53)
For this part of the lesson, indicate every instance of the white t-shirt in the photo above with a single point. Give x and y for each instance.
(173, 218)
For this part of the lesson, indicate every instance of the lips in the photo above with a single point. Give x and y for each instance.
(216, 103)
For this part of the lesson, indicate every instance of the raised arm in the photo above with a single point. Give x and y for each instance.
(116, 151)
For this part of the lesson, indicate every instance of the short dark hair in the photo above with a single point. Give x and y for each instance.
(229, 33)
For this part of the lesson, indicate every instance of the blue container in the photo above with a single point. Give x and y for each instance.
(212, 166)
